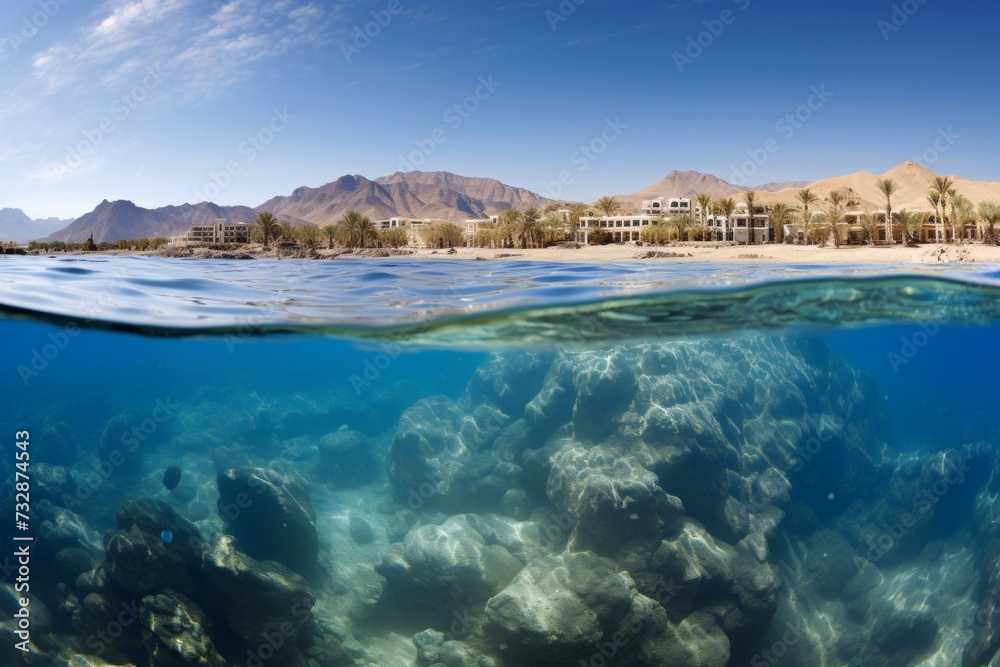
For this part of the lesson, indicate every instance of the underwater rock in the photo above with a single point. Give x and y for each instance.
(897, 637)
(271, 516)
(675, 461)
(830, 564)
(347, 459)
(52, 483)
(172, 477)
(259, 598)
(361, 530)
(428, 644)
(444, 457)
(505, 380)
(559, 608)
(461, 562)
(61, 528)
(176, 632)
(42, 619)
(139, 561)
(103, 613)
(916, 507)
(71, 562)
(693, 570)
(612, 498)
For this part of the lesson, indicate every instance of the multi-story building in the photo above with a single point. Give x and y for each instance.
(672, 206)
(220, 232)
(743, 224)
(621, 227)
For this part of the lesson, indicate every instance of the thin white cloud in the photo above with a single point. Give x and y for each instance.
(204, 49)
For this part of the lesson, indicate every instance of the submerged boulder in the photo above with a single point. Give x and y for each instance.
(271, 516)
(260, 599)
(463, 561)
(347, 459)
(139, 560)
(176, 632)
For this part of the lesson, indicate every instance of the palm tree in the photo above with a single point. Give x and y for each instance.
(705, 202)
(934, 197)
(836, 197)
(608, 205)
(267, 224)
(529, 228)
(751, 197)
(871, 222)
(781, 215)
(507, 227)
(807, 197)
(953, 198)
(352, 230)
(914, 222)
(888, 188)
(907, 221)
(309, 236)
(576, 211)
(834, 215)
(990, 212)
(726, 207)
(330, 231)
(942, 186)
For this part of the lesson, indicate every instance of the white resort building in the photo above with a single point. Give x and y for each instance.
(621, 227)
(219, 232)
(672, 206)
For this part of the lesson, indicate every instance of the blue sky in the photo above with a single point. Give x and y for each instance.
(171, 101)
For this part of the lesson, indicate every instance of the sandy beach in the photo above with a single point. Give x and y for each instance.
(727, 254)
(680, 253)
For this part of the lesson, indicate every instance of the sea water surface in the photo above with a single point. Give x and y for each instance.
(409, 463)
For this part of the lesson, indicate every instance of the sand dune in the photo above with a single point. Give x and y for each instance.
(914, 181)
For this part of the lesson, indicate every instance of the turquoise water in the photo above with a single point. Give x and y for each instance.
(499, 463)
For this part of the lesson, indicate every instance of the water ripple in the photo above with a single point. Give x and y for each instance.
(457, 302)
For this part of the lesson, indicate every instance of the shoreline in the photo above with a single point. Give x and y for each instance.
(677, 253)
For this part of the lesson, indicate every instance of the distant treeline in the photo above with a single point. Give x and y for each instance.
(131, 244)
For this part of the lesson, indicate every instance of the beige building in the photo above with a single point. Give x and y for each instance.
(220, 232)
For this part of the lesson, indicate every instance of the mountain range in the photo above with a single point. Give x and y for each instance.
(446, 196)
(15, 225)
(435, 195)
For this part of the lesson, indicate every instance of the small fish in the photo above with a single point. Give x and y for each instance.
(172, 477)
(343, 427)
(167, 536)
